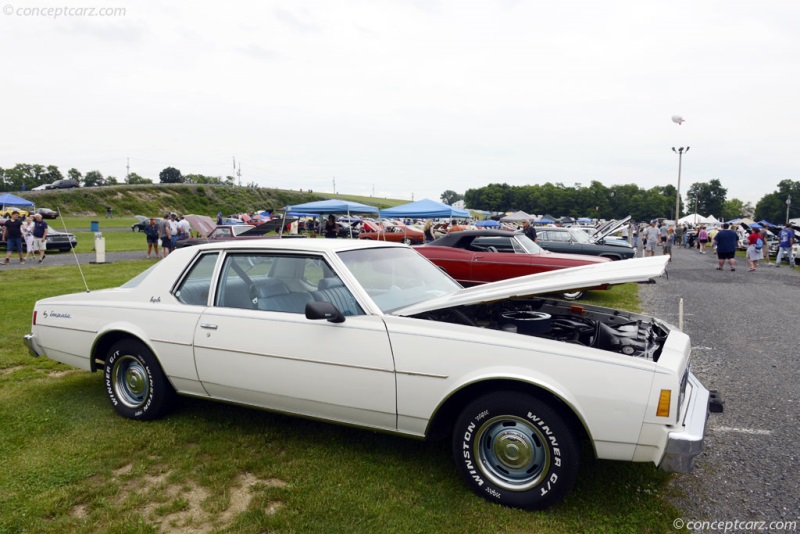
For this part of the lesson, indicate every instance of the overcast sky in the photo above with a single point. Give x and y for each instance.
(408, 98)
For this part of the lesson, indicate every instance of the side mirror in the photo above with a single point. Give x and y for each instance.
(323, 310)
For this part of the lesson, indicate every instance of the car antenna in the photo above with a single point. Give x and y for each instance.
(72, 249)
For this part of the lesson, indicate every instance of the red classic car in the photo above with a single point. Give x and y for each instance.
(481, 256)
(392, 232)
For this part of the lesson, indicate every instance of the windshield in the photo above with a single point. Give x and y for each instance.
(580, 236)
(397, 277)
(527, 245)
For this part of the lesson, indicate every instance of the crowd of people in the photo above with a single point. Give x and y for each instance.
(31, 230)
(723, 241)
(166, 233)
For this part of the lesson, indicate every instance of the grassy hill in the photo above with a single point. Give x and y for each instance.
(128, 200)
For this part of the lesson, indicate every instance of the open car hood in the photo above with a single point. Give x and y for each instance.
(587, 276)
(609, 229)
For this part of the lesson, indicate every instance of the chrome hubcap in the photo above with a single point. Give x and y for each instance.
(512, 453)
(131, 382)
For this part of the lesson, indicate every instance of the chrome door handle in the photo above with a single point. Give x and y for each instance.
(208, 326)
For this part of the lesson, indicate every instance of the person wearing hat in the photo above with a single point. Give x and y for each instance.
(652, 238)
(12, 235)
(173, 230)
(785, 242)
(151, 231)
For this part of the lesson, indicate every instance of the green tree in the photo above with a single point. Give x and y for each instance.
(170, 175)
(710, 197)
(733, 209)
(111, 180)
(134, 178)
(93, 178)
(450, 197)
(772, 207)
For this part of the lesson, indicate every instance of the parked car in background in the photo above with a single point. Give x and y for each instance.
(142, 221)
(391, 232)
(11, 209)
(47, 213)
(226, 233)
(474, 257)
(41, 187)
(55, 240)
(372, 335)
(67, 183)
(576, 241)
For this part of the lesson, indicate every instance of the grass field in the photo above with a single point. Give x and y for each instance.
(68, 463)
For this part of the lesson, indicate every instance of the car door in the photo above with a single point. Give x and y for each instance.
(496, 259)
(255, 346)
(556, 241)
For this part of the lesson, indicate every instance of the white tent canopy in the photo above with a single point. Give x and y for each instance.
(696, 218)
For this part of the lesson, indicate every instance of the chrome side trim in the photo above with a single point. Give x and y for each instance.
(302, 360)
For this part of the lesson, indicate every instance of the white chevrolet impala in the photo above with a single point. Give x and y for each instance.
(374, 335)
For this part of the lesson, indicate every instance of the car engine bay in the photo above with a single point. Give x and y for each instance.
(622, 332)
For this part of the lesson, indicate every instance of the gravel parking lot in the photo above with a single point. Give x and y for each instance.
(744, 334)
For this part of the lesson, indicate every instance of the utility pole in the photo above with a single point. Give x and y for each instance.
(680, 153)
(128, 171)
(239, 174)
(788, 203)
(334, 185)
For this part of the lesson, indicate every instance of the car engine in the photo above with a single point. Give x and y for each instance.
(622, 332)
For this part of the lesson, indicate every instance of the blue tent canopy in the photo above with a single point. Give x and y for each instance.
(544, 220)
(488, 223)
(330, 206)
(766, 223)
(584, 220)
(424, 209)
(7, 199)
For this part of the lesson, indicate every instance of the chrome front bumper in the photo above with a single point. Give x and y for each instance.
(682, 447)
(33, 345)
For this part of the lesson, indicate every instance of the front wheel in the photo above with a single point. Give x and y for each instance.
(572, 295)
(135, 383)
(513, 449)
(406, 240)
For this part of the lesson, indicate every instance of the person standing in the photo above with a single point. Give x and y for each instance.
(331, 230)
(427, 231)
(754, 246)
(635, 236)
(12, 234)
(725, 241)
(702, 238)
(39, 236)
(27, 235)
(651, 239)
(173, 231)
(765, 248)
(184, 228)
(785, 242)
(151, 231)
(164, 235)
(529, 231)
(109, 215)
(669, 242)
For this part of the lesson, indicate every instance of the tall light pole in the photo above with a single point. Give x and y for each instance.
(788, 203)
(680, 153)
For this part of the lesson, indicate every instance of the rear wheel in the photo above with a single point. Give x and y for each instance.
(135, 383)
(572, 295)
(513, 449)
(407, 240)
